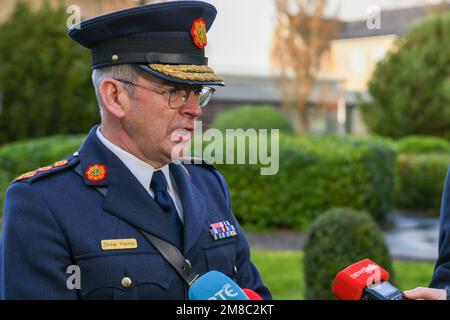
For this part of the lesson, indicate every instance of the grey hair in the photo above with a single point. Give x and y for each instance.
(122, 71)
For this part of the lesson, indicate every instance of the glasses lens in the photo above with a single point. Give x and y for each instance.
(177, 98)
(205, 96)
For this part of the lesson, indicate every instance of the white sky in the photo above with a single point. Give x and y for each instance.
(239, 40)
(357, 9)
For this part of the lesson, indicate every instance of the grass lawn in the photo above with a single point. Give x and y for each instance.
(282, 272)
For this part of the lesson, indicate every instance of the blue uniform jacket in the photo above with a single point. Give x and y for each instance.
(56, 219)
(441, 276)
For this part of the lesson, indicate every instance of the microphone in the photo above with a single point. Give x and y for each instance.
(365, 280)
(252, 295)
(214, 285)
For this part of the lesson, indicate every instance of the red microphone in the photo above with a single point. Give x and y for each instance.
(365, 280)
(252, 295)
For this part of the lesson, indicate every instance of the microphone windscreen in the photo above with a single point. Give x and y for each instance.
(214, 285)
(252, 295)
(350, 282)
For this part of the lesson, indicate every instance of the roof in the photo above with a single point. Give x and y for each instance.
(393, 22)
(264, 89)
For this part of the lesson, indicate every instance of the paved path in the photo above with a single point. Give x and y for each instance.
(412, 238)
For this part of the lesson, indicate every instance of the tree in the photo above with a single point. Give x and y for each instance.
(44, 76)
(302, 35)
(410, 87)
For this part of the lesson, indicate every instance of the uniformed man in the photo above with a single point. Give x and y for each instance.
(91, 214)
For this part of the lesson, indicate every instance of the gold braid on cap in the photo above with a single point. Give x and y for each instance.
(187, 72)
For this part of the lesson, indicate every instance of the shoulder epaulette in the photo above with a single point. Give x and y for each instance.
(58, 166)
(197, 161)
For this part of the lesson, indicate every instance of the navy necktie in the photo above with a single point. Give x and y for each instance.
(165, 202)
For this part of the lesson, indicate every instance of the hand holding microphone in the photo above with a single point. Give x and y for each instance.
(421, 293)
(365, 280)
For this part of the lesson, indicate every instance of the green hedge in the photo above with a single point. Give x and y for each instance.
(257, 117)
(338, 238)
(421, 181)
(26, 155)
(423, 144)
(4, 182)
(315, 173)
(421, 168)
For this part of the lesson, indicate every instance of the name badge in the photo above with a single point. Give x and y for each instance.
(118, 244)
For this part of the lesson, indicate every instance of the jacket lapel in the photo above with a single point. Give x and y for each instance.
(126, 198)
(194, 207)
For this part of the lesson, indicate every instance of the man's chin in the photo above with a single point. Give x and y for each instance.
(180, 150)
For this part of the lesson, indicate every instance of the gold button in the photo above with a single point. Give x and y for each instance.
(126, 282)
(115, 57)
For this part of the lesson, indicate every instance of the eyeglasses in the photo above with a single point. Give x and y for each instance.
(177, 97)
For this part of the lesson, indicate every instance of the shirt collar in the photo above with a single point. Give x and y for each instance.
(140, 169)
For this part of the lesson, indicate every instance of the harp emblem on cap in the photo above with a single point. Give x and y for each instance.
(198, 33)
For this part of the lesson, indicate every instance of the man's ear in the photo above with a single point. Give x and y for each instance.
(115, 97)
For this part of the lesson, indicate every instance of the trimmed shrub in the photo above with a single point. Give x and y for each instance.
(410, 86)
(315, 173)
(23, 156)
(423, 144)
(44, 76)
(256, 117)
(338, 238)
(421, 181)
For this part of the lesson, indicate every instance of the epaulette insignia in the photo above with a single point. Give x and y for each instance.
(195, 160)
(45, 169)
(33, 173)
(60, 163)
(185, 170)
(187, 162)
(26, 175)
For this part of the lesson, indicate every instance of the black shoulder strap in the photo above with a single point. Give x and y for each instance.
(174, 257)
(169, 252)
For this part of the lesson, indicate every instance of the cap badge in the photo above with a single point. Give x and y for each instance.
(222, 230)
(198, 33)
(96, 173)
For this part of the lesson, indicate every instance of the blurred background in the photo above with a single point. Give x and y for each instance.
(359, 89)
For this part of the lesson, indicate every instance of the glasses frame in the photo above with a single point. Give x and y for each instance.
(171, 91)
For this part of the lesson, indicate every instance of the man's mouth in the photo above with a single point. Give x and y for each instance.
(182, 134)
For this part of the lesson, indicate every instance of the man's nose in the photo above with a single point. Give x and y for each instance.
(192, 107)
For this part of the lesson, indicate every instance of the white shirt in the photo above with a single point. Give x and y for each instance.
(143, 171)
